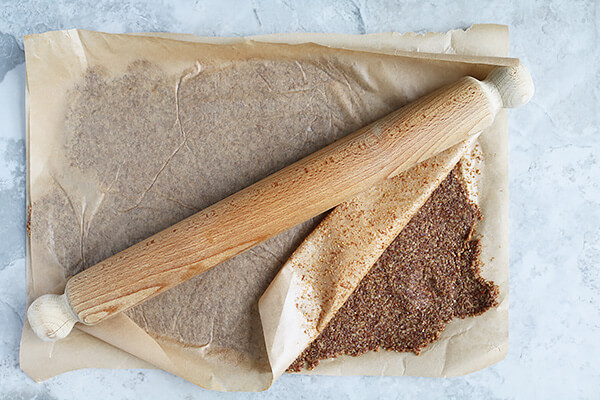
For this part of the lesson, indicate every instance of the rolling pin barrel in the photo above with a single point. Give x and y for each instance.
(280, 201)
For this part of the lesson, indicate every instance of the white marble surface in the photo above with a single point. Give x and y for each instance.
(555, 189)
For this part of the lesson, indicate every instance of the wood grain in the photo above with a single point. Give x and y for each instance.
(296, 193)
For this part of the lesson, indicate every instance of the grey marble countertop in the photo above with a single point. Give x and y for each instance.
(554, 189)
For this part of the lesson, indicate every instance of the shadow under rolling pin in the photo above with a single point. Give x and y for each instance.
(280, 201)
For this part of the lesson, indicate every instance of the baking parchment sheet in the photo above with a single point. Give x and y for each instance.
(128, 134)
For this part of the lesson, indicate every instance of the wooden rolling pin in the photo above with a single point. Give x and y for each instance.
(295, 194)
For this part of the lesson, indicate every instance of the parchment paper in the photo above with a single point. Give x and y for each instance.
(113, 158)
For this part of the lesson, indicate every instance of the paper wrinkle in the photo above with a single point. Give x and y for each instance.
(183, 143)
(79, 49)
(358, 85)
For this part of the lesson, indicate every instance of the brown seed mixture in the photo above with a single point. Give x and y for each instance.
(427, 276)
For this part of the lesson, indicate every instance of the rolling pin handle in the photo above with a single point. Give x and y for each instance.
(508, 87)
(51, 317)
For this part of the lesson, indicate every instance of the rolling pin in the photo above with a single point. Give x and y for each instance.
(280, 201)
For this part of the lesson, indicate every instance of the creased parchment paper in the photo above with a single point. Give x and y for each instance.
(129, 134)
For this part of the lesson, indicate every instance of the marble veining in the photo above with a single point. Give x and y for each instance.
(554, 184)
